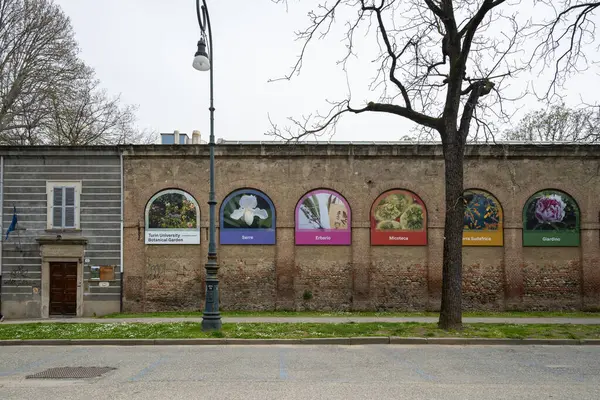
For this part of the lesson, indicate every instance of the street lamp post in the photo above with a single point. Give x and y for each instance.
(203, 61)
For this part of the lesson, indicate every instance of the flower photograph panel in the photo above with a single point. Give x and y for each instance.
(551, 218)
(483, 219)
(399, 218)
(247, 217)
(172, 217)
(323, 218)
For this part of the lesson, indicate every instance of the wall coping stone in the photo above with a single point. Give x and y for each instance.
(318, 150)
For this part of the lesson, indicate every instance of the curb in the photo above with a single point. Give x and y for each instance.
(310, 341)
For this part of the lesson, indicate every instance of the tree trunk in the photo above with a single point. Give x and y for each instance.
(451, 310)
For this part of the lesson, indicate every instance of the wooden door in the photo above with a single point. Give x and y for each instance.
(63, 288)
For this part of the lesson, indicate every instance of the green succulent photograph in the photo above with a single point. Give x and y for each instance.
(399, 211)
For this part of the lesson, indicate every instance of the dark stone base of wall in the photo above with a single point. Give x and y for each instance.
(332, 287)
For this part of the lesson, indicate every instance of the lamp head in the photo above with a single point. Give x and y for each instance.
(201, 62)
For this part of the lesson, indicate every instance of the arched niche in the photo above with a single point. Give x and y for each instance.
(172, 216)
(551, 218)
(247, 216)
(398, 218)
(483, 222)
(323, 217)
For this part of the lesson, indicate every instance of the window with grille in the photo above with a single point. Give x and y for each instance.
(63, 205)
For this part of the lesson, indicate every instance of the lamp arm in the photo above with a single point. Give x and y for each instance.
(200, 16)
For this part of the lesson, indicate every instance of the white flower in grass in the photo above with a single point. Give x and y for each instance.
(248, 210)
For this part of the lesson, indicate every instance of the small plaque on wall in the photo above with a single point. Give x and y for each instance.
(107, 273)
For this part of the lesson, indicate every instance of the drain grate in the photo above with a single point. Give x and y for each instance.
(71, 373)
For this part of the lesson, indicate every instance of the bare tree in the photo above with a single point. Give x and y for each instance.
(143, 136)
(558, 124)
(442, 64)
(84, 114)
(566, 41)
(29, 126)
(38, 55)
(47, 93)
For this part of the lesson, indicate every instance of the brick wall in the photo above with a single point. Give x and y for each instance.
(361, 276)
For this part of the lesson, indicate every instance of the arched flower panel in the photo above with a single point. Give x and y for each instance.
(483, 219)
(398, 218)
(323, 217)
(247, 217)
(172, 217)
(551, 218)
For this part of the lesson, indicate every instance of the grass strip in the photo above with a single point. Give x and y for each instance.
(325, 314)
(181, 330)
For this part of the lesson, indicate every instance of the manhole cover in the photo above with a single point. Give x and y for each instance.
(71, 373)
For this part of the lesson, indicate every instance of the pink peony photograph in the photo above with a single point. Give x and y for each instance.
(551, 210)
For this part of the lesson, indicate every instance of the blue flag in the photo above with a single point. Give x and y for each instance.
(13, 224)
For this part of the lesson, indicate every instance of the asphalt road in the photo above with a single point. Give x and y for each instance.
(307, 372)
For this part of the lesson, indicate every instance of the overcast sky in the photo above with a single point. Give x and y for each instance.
(143, 50)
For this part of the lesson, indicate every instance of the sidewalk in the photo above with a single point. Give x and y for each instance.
(322, 320)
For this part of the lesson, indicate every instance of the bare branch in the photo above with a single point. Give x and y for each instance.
(477, 90)
(307, 35)
(563, 41)
(390, 51)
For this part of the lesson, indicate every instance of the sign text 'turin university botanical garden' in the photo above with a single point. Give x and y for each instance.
(172, 217)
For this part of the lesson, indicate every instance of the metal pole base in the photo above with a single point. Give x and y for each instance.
(211, 322)
(211, 317)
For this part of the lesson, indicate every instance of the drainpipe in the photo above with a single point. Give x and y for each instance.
(122, 233)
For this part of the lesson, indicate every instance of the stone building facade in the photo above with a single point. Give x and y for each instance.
(82, 219)
(62, 256)
(361, 276)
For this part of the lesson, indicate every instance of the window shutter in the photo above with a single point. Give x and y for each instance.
(57, 201)
(69, 207)
(69, 217)
(69, 196)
